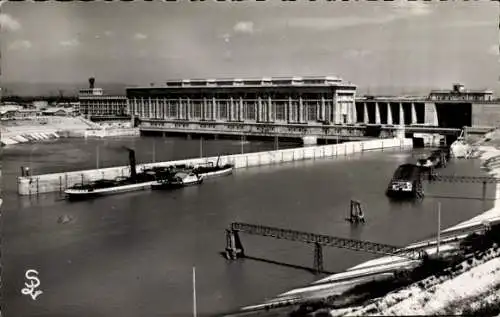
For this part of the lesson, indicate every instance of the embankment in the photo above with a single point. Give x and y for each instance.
(487, 150)
(58, 182)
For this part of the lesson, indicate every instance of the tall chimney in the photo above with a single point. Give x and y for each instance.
(91, 82)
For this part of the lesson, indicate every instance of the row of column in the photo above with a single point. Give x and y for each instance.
(389, 114)
(265, 109)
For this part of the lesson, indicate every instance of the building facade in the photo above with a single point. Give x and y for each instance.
(93, 103)
(307, 100)
(459, 93)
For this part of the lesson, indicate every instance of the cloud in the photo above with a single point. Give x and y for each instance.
(9, 23)
(493, 50)
(400, 9)
(244, 27)
(109, 33)
(20, 45)
(140, 36)
(354, 53)
(70, 43)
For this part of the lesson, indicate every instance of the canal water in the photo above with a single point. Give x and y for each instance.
(132, 254)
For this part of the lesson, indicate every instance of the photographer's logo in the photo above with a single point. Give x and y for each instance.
(31, 275)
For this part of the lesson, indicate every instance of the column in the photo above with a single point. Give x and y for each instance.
(215, 114)
(270, 110)
(413, 114)
(204, 109)
(389, 113)
(431, 114)
(323, 109)
(150, 108)
(354, 112)
(189, 107)
(377, 113)
(289, 111)
(240, 110)
(300, 118)
(401, 114)
(230, 109)
(259, 109)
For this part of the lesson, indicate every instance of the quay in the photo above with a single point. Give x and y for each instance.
(58, 182)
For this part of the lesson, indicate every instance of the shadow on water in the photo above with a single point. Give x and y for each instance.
(289, 265)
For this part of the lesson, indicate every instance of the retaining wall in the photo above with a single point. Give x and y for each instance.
(60, 181)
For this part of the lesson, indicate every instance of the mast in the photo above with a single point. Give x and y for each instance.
(194, 292)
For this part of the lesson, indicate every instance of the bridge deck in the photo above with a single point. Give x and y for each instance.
(324, 240)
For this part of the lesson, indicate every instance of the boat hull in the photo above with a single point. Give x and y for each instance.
(224, 172)
(79, 194)
(174, 185)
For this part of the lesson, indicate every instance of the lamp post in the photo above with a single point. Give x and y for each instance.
(439, 228)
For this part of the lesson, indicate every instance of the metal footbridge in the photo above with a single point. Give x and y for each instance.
(234, 247)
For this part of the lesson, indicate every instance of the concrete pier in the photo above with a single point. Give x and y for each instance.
(58, 182)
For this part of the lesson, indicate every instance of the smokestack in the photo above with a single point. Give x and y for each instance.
(91, 82)
(131, 158)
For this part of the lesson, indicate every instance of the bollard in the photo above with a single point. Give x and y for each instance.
(37, 186)
(60, 183)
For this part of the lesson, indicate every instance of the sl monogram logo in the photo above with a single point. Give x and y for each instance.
(31, 275)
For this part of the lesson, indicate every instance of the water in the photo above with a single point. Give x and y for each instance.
(132, 254)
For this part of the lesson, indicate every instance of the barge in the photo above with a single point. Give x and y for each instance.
(406, 182)
(103, 187)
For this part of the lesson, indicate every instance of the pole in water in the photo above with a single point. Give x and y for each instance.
(201, 146)
(439, 228)
(154, 151)
(194, 292)
(484, 190)
(242, 151)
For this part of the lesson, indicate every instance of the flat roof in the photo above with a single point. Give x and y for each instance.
(252, 82)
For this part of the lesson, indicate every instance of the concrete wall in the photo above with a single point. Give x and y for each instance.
(485, 114)
(59, 181)
(112, 132)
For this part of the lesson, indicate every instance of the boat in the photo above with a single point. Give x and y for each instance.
(460, 148)
(103, 187)
(210, 170)
(178, 180)
(406, 182)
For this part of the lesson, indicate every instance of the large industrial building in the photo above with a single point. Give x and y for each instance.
(96, 105)
(453, 108)
(297, 100)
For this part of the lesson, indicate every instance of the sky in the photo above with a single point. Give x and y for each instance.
(403, 44)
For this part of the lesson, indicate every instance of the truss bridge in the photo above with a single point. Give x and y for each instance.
(234, 247)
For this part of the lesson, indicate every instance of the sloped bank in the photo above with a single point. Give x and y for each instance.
(57, 182)
(488, 150)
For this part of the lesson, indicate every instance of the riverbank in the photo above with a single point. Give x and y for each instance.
(55, 182)
(453, 296)
(49, 128)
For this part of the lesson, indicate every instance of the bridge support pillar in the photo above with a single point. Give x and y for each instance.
(234, 248)
(318, 258)
(366, 120)
(377, 113)
(389, 113)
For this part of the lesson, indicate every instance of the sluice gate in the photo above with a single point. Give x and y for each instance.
(235, 250)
